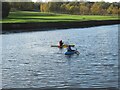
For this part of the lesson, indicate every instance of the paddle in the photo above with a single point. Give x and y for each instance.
(65, 45)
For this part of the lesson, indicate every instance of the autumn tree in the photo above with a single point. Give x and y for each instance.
(84, 9)
(96, 8)
(109, 10)
(113, 9)
(72, 8)
(44, 7)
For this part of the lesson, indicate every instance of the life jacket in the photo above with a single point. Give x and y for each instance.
(69, 49)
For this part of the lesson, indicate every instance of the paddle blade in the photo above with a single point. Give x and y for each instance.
(65, 46)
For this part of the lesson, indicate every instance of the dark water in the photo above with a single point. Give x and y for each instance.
(28, 61)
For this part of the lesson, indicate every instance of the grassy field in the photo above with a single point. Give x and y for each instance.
(27, 17)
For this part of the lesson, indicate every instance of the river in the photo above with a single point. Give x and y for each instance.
(29, 61)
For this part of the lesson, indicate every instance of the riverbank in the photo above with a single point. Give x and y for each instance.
(41, 26)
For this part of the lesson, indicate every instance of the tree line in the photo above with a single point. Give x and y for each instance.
(77, 8)
(81, 8)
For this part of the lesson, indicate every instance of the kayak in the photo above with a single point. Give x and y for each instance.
(69, 53)
(65, 46)
(72, 52)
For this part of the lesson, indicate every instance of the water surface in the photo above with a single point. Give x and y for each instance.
(28, 61)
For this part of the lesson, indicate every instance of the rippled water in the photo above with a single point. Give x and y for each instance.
(28, 61)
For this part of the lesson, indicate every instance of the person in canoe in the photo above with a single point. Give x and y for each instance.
(60, 43)
(69, 49)
(71, 52)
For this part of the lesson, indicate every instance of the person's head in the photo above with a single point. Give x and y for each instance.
(60, 40)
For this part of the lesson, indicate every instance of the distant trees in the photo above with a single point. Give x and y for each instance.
(36, 6)
(96, 8)
(44, 7)
(54, 6)
(82, 8)
(50, 7)
(62, 8)
(113, 9)
(22, 6)
(5, 9)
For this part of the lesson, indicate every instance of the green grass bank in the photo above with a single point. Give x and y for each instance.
(31, 17)
(24, 21)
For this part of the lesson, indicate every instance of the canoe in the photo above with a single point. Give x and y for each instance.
(72, 52)
(69, 53)
(65, 45)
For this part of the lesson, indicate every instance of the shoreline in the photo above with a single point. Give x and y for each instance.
(46, 26)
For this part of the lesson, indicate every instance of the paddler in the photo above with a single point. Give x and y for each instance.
(69, 49)
(60, 43)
